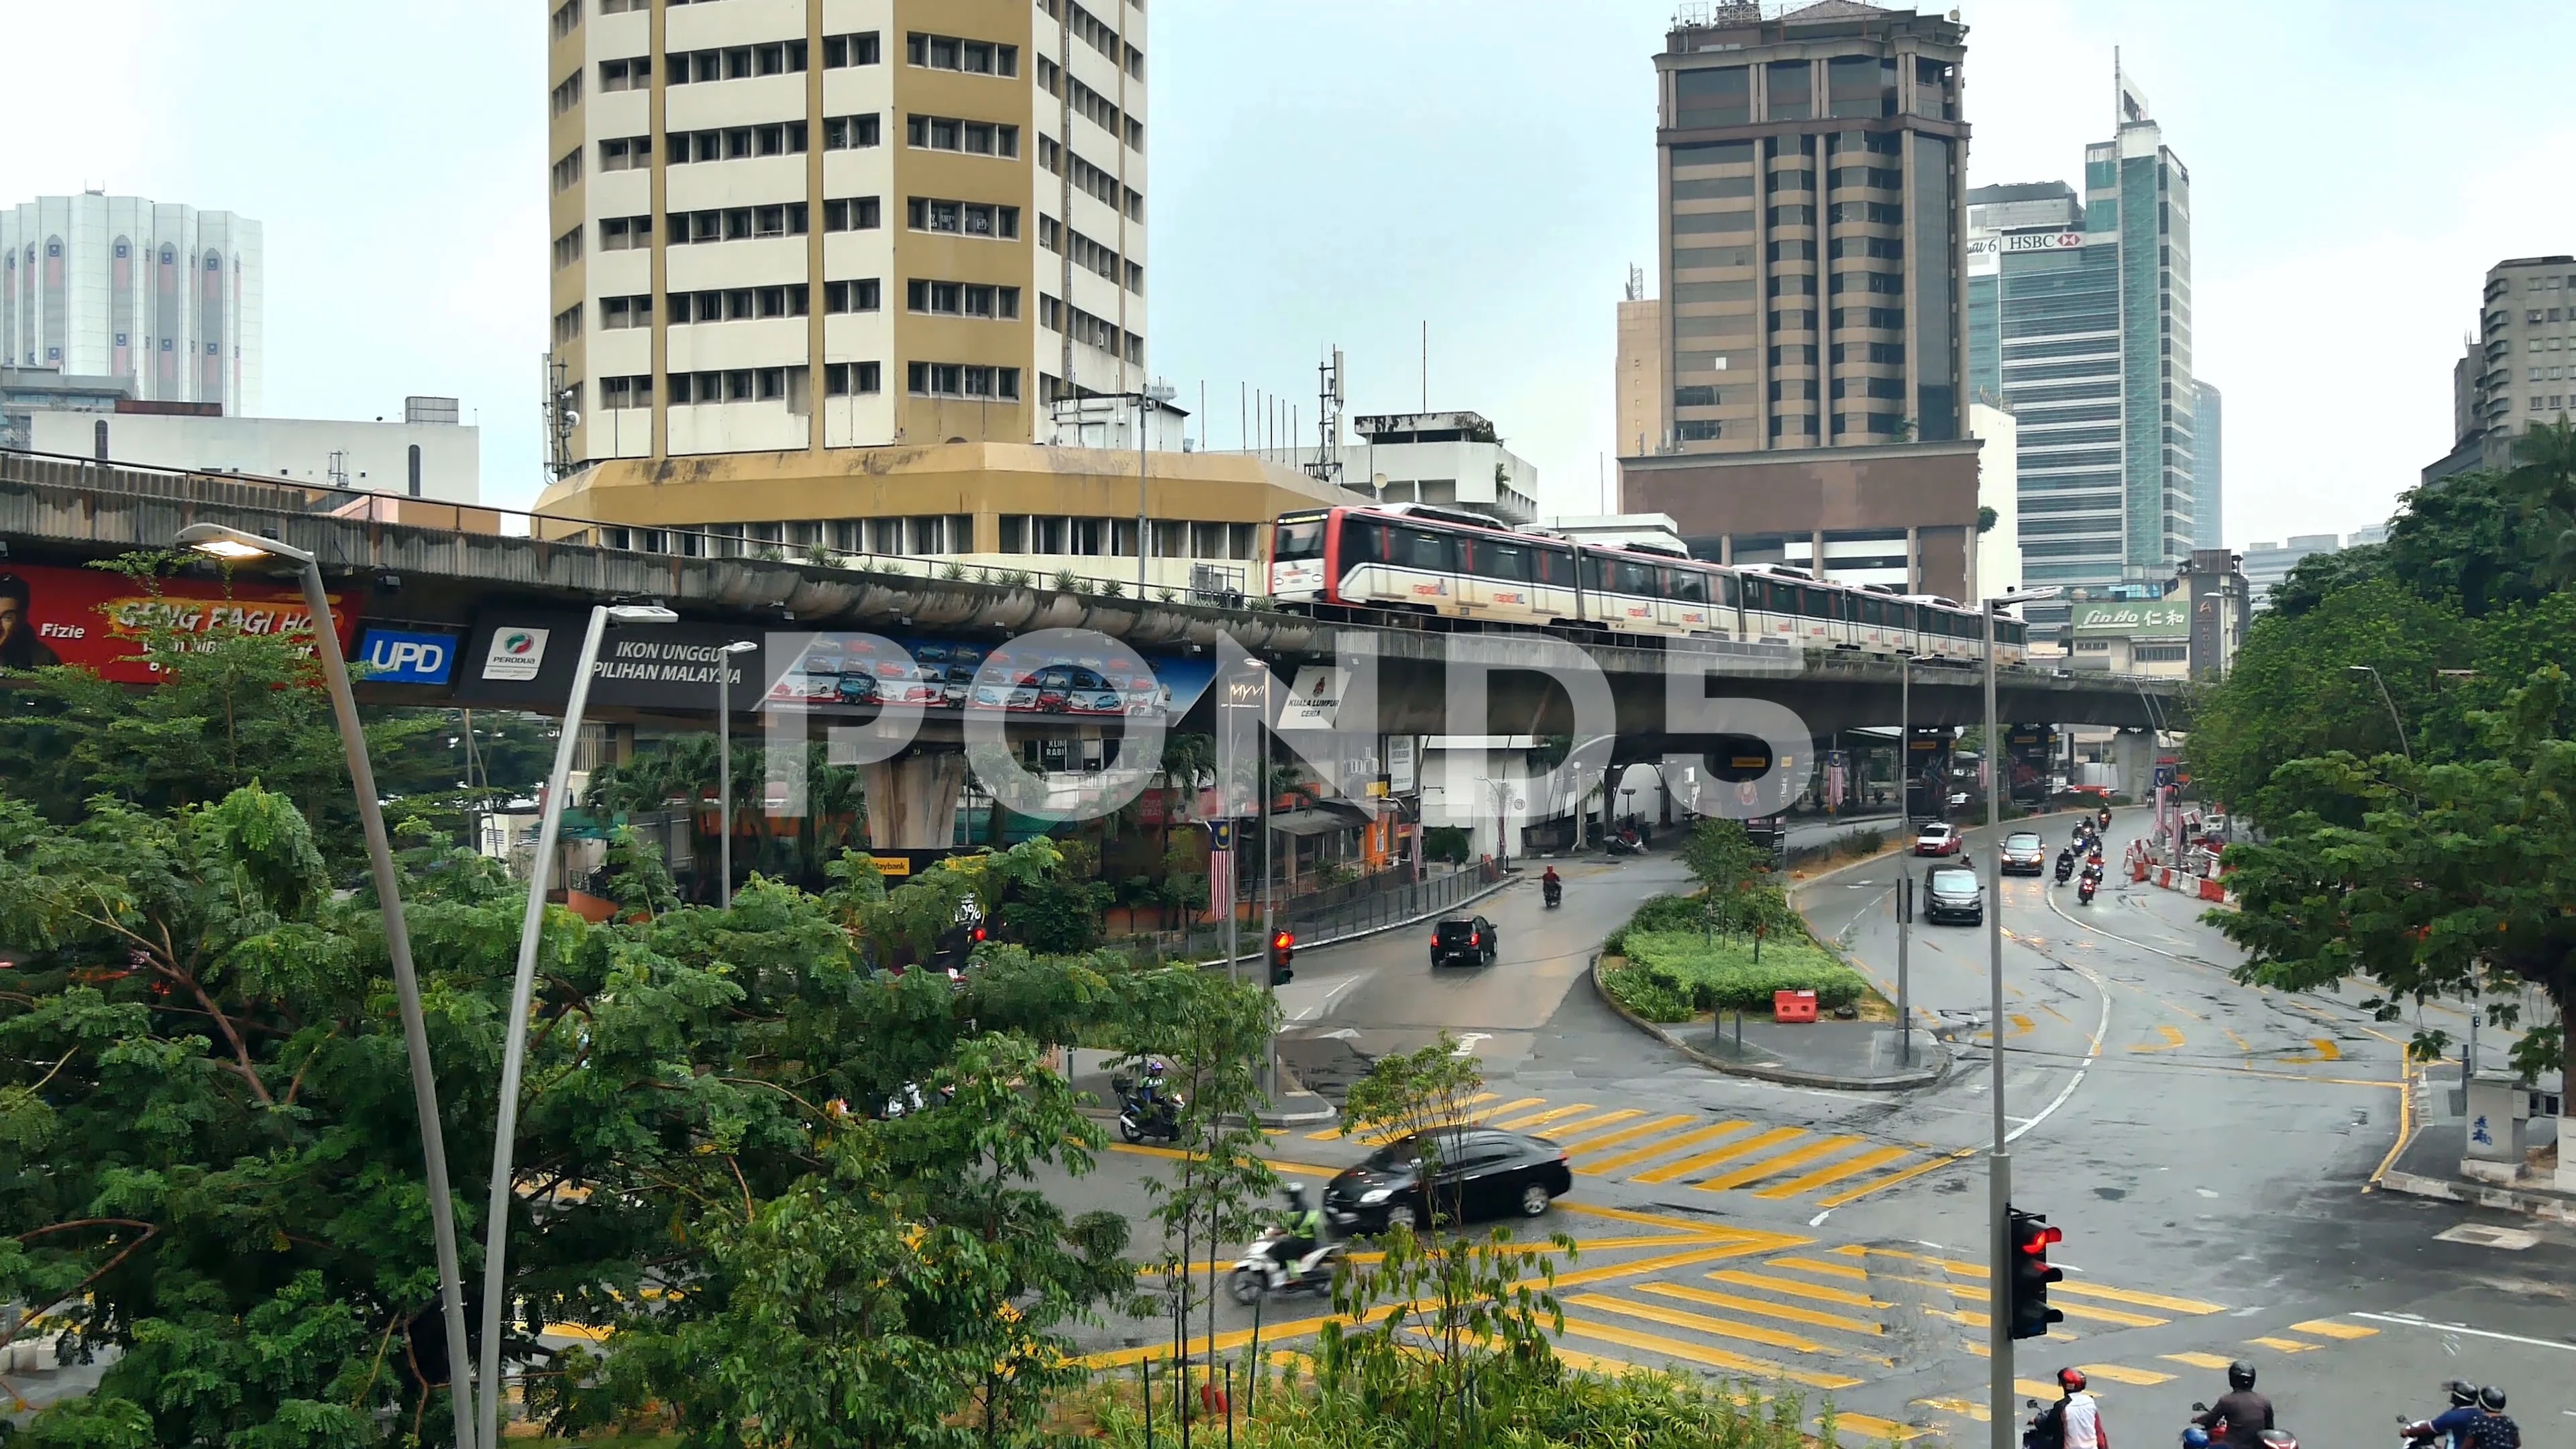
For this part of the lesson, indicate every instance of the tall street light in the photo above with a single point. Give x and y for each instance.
(1905, 874)
(1999, 1183)
(724, 764)
(514, 1053)
(2393, 717)
(1152, 395)
(235, 546)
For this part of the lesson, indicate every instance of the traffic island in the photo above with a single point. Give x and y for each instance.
(1853, 1056)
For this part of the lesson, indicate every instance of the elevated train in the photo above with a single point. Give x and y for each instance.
(1461, 567)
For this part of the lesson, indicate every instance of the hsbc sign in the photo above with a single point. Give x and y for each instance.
(2029, 241)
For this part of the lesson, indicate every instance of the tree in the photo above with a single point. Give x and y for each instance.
(2453, 880)
(2313, 578)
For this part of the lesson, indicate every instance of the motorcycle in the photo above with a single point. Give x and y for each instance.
(2272, 1438)
(1259, 1273)
(2065, 866)
(1139, 1119)
(2105, 817)
(1553, 891)
(1625, 843)
(2085, 888)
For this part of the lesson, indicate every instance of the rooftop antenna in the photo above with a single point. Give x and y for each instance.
(556, 396)
(1636, 283)
(1329, 397)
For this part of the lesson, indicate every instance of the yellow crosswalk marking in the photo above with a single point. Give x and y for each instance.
(1579, 1147)
(1902, 1174)
(1688, 1165)
(1606, 1119)
(1795, 1289)
(1378, 1134)
(2173, 1040)
(2022, 1025)
(2196, 1360)
(2192, 1306)
(1876, 1430)
(2081, 1290)
(1680, 1351)
(1832, 1172)
(2034, 1389)
(1698, 1323)
(2328, 1328)
(1812, 1265)
(2121, 1374)
(1814, 1318)
(1541, 1119)
(2327, 1051)
(1795, 1157)
(1654, 1150)
(1969, 1407)
(2283, 1345)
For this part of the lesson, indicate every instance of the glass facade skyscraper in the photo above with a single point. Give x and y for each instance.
(2079, 318)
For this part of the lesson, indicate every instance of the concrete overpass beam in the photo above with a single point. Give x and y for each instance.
(912, 801)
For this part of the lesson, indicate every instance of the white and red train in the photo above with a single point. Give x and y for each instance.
(1457, 566)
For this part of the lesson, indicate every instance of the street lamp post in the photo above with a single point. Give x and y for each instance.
(522, 986)
(1999, 1183)
(1905, 874)
(2393, 717)
(1152, 395)
(233, 545)
(724, 765)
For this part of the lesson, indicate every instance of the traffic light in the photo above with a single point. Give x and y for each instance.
(2027, 1291)
(1283, 948)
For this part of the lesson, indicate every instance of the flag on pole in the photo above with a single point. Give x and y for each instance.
(1220, 882)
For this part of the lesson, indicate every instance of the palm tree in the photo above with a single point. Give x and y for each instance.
(2543, 481)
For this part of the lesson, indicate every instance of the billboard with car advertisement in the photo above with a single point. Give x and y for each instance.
(97, 619)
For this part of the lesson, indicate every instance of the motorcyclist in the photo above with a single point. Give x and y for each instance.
(1551, 882)
(1152, 1098)
(2065, 862)
(2244, 1413)
(2459, 1422)
(1303, 1226)
(2495, 1429)
(2075, 1420)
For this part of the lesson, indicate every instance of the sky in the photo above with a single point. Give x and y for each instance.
(1359, 172)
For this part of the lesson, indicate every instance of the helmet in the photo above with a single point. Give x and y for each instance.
(2240, 1376)
(2195, 1437)
(2463, 1393)
(2070, 1380)
(1153, 1066)
(1296, 1192)
(2491, 1399)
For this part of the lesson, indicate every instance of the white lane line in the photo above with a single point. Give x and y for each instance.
(1325, 1005)
(2406, 1320)
(2092, 1054)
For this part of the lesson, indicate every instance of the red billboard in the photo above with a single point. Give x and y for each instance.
(97, 619)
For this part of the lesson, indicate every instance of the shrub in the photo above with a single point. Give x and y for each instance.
(1725, 977)
(1869, 842)
(1445, 842)
(1652, 993)
(1067, 581)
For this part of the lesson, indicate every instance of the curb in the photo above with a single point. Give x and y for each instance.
(2507, 1199)
(1786, 1076)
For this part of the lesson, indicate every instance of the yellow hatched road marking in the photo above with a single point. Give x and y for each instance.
(1378, 1134)
(1880, 1431)
(1678, 1351)
(1576, 1147)
(2121, 1374)
(1697, 1322)
(1813, 1318)
(2328, 1328)
(1541, 1119)
(2081, 1290)
(1796, 1289)
(2196, 1360)
(1902, 1174)
(2242, 1044)
(1969, 1407)
(1657, 1149)
(2034, 1389)
(1672, 1170)
(2283, 1345)
(2327, 1051)
(1606, 1119)
(2173, 1040)
(1832, 1172)
(2022, 1025)
(1813, 1265)
(1796, 1157)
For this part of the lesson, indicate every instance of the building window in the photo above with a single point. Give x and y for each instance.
(568, 249)
(1694, 397)
(734, 143)
(855, 213)
(626, 392)
(968, 380)
(739, 304)
(1695, 430)
(851, 379)
(567, 95)
(736, 62)
(567, 171)
(963, 299)
(626, 75)
(631, 153)
(862, 295)
(964, 218)
(621, 233)
(741, 384)
(415, 470)
(620, 7)
(974, 57)
(840, 51)
(737, 223)
(567, 18)
(617, 312)
(567, 325)
(851, 133)
(975, 138)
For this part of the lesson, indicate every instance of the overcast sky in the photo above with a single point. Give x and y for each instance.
(1345, 171)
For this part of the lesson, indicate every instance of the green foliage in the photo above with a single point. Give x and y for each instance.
(1446, 842)
(2429, 879)
(2313, 578)
(1724, 976)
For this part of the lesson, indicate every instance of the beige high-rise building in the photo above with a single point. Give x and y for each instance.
(1640, 404)
(784, 225)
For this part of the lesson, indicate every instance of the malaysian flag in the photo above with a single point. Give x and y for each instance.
(1220, 882)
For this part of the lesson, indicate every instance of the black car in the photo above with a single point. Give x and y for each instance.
(2024, 853)
(1462, 940)
(1482, 1174)
(1951, 893)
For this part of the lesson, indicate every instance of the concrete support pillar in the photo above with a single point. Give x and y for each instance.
(1914, 560)
(2133, 755)
(1816, 552)
(912, 800)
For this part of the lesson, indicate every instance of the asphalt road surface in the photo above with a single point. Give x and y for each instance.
(2204, 1145)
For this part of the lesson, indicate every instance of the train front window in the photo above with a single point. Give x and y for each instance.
(1301, 539)
(1636, 578)
(1363, 542)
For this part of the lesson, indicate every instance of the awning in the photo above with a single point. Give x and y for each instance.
(1324, 819)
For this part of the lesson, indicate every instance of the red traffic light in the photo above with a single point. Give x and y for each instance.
(2037, 1240)
(977, 934)
(1282, 941)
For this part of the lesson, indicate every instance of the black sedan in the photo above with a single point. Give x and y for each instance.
(1482, 1174)
(1463, 939)
(2025, 853)
(1951, 893)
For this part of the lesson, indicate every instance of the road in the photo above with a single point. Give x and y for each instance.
(2204, 1146)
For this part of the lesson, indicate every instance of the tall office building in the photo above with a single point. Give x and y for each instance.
(2518, 371)
(161, 297)
(2207, 487)
(842, 223)
(2080, 320)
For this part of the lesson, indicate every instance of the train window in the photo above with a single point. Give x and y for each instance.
(1819, 602)
(1637, 578)
(1301, 539)
(1488, 559)
(1555, 566)
(1873, 611)
(1690, 586)
(1757, 594)
(1729, 581)
(1420, 548)
(1590, 564)
(1362, 542)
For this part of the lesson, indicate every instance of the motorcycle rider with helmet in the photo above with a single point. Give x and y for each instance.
(2459, 1422)
(2241, 1412)
(1304, 1226)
